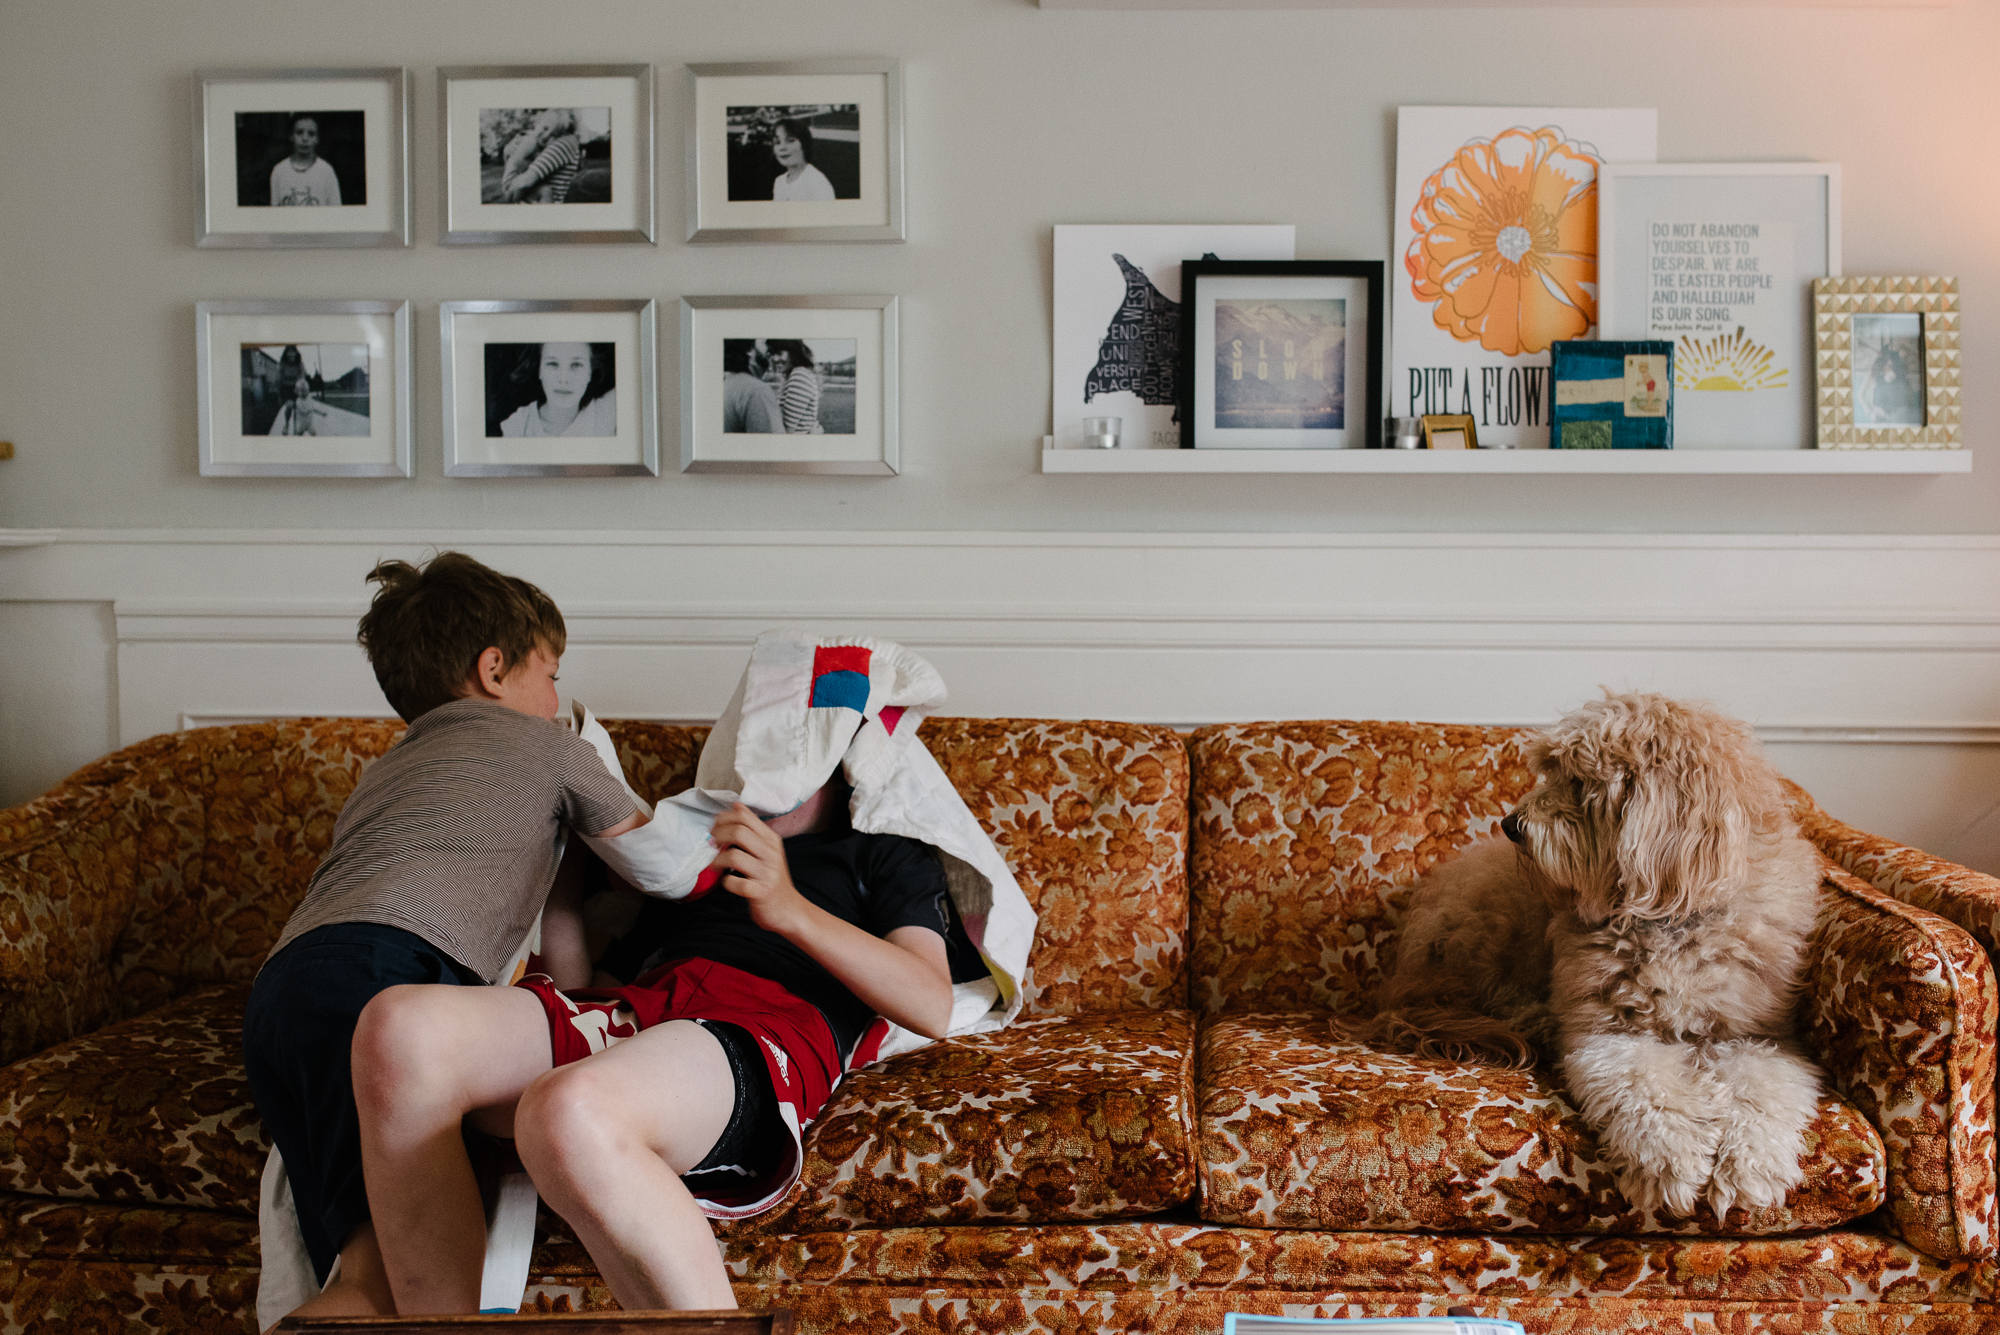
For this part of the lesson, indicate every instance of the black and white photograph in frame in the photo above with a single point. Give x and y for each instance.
(304, 388)
(545, 155)
(1888, 368)
(548, 154)
(309, 389)
(808, 150)
(789, 385)
(787, 153)
(309, 157)
(1281, 354)
(550, 388)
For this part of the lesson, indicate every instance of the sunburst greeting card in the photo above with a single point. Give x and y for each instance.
(1496, 255)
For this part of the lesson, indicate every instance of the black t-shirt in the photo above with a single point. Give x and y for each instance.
(878, 882)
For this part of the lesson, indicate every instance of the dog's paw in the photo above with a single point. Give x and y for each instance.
(1663, 1187)
(1755, 1166)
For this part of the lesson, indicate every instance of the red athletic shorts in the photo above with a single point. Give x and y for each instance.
(795, 1040)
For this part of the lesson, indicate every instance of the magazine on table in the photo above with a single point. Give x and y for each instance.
(1244, 1323)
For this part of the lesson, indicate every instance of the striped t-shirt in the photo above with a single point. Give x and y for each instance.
(800, 402)
(455, 833)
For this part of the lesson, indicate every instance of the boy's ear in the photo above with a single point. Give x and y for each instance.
(487, 670)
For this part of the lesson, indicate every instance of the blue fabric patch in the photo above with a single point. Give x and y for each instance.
(840, 690)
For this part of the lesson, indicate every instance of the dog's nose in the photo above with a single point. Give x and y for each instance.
(1511, 827)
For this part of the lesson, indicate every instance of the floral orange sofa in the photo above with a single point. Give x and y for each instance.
(1170, 1133)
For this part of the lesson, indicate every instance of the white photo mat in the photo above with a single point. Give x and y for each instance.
(381, 96)
(466, 327)
(1090, 292)
(869, 320)
(1462, 365)
(1353, 433)
(872, 87)
(224, 328)
(626, 90)
(1743, 364)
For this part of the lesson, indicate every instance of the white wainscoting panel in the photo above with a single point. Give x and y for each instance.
(1870, 664)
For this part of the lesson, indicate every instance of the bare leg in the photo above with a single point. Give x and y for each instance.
(606, 1140)
(361, 1288)
(426, 1056)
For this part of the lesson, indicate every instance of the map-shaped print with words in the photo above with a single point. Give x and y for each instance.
(1140, 351)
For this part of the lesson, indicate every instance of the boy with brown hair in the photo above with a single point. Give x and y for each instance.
(440, 862)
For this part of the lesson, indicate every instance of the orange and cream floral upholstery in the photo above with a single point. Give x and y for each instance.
(1171, 1131)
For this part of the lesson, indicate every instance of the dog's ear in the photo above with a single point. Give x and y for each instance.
(1684, 842)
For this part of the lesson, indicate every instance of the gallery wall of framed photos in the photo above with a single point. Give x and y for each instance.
(1013, 122)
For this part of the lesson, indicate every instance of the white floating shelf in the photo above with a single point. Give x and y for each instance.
(1435, 462)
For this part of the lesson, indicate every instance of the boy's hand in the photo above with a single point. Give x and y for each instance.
(752, 862)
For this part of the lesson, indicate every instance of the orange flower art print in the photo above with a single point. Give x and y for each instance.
(1506, 241)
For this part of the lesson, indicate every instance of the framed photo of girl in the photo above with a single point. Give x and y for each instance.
(550, 388)
(546, 153)
(804, 150)
(303, 388)
(789, 385)
(303, 157)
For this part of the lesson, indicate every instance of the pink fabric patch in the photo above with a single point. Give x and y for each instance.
(891, 715)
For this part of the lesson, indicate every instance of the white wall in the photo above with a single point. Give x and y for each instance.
(1019, 118)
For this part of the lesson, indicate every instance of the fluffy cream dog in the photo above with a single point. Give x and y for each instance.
(1645, 926)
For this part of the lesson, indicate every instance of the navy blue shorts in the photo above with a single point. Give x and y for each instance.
(298, 1031)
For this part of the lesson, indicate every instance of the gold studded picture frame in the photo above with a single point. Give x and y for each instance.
(1887, 363)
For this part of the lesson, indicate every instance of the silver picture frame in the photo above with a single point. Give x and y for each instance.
(218, 221)
(707, 446)
(716, 219)
(457, 158)
(640, 455)
(386, 453)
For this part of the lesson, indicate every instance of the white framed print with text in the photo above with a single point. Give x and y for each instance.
(1719, 258)
(550, 388)
(789, 385)
(303, 388)
(801, 150)
(546, 153)
(301, 157)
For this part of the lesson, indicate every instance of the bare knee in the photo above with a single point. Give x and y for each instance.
(401, 1051)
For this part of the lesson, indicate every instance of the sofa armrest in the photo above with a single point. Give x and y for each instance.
(66, 894)
(1899, 1006)
(1969, 898)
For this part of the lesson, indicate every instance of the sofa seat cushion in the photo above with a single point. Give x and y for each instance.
(1302, 1130)
(1050, 1120)
(154, 1109)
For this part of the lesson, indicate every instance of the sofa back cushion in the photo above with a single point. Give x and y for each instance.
(1091, 818)
(1306, 838)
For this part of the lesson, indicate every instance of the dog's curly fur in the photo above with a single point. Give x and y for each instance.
(1645, 928)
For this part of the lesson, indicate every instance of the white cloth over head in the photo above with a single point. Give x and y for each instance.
(806, 706)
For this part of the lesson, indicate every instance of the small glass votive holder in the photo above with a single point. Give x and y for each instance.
(1101, 433)
(1406, 433)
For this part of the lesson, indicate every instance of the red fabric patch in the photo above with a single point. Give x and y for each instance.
(891, 715)
(840, 658)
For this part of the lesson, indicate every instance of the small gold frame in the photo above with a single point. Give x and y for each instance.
(1446, 422)
(1836, 301)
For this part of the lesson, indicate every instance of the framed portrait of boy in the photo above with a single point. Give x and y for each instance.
(789, 385)
(303, 388)
(1889, 372)
(302, 157)
(550, 388)
(803, 150)
(1281, 354)
(546, 154)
